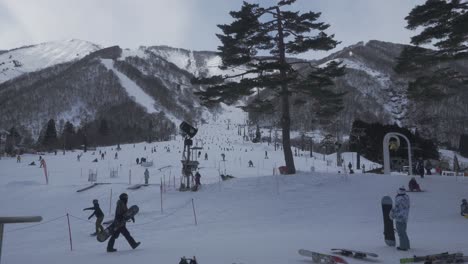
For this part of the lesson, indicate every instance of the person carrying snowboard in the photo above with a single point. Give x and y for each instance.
(399, 213)
(120, 211)
(99, 216)
(413, 185)
(464, 208)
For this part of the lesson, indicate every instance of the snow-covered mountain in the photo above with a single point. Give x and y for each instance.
(16, 62)
(80, 82)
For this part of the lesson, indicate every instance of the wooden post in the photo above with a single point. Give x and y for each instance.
(194, 214)
(69, 233)
(110, 203)
(1, 239)
(15, 219)
(161, 191)
(129, 177)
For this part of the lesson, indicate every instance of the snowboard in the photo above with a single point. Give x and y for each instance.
(353, 253)
(435, 258)
(389, 231)
(450, 261)
(321, 258)
(109, 231)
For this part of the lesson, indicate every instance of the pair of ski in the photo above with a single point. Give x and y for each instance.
(441, 258)
(331, 259)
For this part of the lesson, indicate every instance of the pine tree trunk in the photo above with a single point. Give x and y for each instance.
(285, 116)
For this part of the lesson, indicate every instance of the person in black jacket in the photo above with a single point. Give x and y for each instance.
(120, 211)
(99, 216)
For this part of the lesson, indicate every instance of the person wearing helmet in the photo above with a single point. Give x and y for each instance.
(464, 208)
(99, 216)
(120, 211)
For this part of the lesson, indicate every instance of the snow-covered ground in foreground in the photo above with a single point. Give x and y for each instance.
(258, 217)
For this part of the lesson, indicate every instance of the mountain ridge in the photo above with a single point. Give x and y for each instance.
(375, 93)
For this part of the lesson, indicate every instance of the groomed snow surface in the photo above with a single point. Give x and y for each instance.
(255, 218)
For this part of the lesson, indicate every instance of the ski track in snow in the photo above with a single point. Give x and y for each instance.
(136, 92)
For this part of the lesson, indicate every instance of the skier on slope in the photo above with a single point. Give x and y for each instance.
(399, 213)
(99, 216)
(120, 211)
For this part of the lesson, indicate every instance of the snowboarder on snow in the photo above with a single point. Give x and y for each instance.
(413, 185)
(399, 213)
(206, 156)
(99, 216)
(464, 208)
(120, 211)
(250, 163)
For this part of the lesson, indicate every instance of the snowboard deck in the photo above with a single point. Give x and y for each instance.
(321, 258)
(389, 231)
(354, 253)
(450, 261)
(87, 187)
(109, 231)
(434, 258)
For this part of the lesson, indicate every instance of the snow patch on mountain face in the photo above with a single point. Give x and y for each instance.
(133, 90)
(140, 52)
(382, 78)
(137, 93)
(33, 58)
(183, 59)
(76, 112)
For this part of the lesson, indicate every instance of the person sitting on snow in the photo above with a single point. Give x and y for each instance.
(464, 208)
(413, 186)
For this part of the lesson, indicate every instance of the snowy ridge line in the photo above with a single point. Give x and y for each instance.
(43, 223)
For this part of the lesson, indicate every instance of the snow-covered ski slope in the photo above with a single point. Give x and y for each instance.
(33, 58)
(255, 218)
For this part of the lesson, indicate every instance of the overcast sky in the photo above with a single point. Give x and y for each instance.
(189, 24)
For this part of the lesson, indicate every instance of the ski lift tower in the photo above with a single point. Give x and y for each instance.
(188, 165)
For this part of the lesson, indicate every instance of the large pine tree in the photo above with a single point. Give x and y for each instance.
(50, 137)
(443, 24)
(256, 47)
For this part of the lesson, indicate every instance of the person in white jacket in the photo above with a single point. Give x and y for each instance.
(400, 213)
